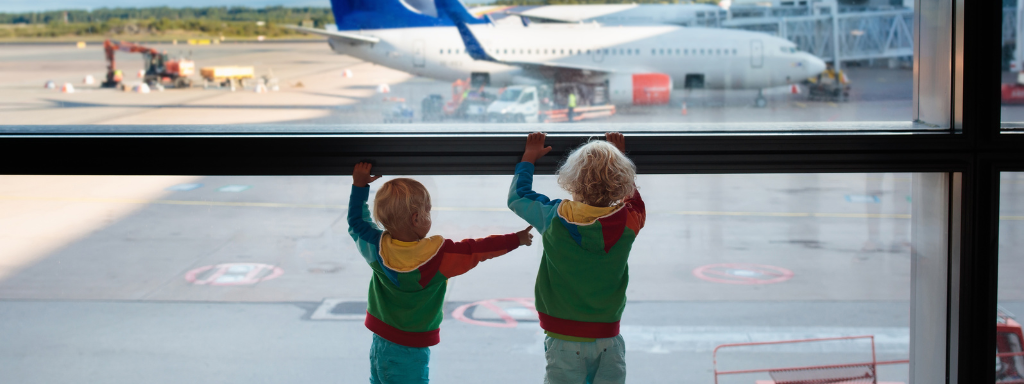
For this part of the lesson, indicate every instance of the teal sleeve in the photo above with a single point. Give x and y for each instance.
(361, 226)
(533, 207)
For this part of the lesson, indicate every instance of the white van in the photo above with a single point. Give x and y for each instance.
(518, 104)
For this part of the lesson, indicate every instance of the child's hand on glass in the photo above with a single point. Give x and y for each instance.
(361, 175)
(525, 237)
(535, 148)
(617, 140)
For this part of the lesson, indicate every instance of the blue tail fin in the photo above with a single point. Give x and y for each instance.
(380, 14)
(454, 11)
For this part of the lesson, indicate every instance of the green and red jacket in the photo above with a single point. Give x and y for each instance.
(409, 278)
(581, 285)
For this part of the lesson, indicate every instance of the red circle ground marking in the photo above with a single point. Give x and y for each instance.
(233, 274)
(742, 273)
(509, 322)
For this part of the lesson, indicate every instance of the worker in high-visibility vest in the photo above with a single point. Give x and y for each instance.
(572, 105)
(831, 76)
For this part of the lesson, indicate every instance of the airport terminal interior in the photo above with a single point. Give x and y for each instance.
(739, 276)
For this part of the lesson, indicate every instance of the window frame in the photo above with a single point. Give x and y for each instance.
(974, 148)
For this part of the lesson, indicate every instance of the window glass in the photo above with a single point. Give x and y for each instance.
(122, 277)
(1010, 356)
(247, 70)
(1012, 91)
(510, 95)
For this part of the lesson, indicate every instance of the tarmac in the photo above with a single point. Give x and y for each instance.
(227, 279)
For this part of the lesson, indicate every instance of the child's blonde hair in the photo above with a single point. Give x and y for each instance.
(598, 173)
(397, 200)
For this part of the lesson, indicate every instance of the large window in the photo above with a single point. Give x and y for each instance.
(1009, 338)
(809, 66)
(723, 259)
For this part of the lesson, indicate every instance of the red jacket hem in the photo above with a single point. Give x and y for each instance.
(400, 337)
(578, 328)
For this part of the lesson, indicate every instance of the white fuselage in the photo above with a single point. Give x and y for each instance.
(724, 58)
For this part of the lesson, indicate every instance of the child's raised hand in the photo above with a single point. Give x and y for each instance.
(617, 140)
(361, 175)
(525, 237)
(535, 148)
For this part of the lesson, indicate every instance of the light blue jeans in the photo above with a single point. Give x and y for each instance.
(391, 363)
(602, 361)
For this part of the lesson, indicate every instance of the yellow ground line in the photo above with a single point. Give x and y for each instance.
(471, 209)
(172, 202)
(447, 209)
(796, 214)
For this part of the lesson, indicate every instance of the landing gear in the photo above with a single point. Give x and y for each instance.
(760, 101)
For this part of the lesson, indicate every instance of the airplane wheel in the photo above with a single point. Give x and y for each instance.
(761, 102)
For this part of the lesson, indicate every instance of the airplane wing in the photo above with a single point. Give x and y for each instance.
(343, 35)
(477, 51)
(545, 18)
(554, 65)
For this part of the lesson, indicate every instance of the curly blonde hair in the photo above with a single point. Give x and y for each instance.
(598, 174)
(397, 200)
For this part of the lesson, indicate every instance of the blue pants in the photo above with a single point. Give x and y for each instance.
(597, 362)
(391, 363)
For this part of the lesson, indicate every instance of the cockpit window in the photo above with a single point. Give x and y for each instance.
(788, 49)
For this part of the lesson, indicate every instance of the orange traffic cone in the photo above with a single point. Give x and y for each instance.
(794, 89)
(684, 113)
(68, 88)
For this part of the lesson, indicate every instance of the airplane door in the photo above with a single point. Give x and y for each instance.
(756, 54)
(418, 54)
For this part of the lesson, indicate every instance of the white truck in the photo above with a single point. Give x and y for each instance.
(518, 104)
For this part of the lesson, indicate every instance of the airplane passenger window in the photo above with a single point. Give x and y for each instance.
(347, 85)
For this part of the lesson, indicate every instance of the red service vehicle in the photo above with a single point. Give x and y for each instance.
(1009, 355)
(159, 68)
(1013, 93)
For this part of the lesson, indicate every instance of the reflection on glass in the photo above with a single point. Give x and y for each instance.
(118, 277)
(1010, 356)
(694, 66)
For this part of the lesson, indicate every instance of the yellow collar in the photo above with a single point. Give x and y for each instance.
(406, 256)
(579, 213)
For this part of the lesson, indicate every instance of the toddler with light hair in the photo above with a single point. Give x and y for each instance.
(410, 272)
(581, 284)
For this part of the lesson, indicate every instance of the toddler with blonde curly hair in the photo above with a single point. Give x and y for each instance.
(581, 284)
(410, 272)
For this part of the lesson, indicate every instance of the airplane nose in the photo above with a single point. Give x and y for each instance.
(815, 65)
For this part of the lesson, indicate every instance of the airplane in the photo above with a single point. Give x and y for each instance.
(640, 65)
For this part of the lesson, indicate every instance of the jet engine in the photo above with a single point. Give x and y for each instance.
(639, 88)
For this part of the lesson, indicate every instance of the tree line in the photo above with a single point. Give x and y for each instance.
(206, 21)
